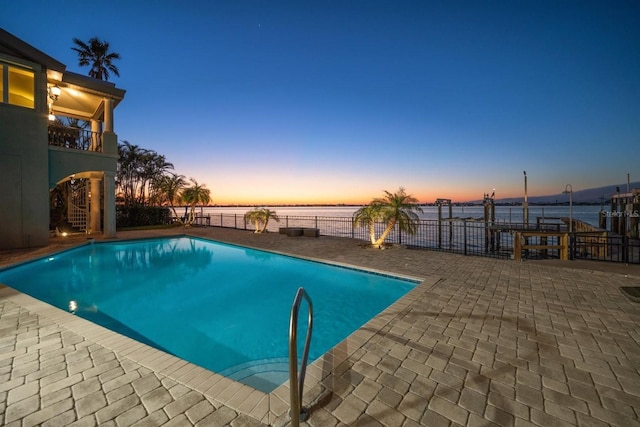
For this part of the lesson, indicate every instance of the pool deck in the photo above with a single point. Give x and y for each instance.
(480, 342)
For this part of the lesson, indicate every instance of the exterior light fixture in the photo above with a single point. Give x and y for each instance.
(54, 92)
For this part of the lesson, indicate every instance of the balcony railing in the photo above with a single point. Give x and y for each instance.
(75, 138)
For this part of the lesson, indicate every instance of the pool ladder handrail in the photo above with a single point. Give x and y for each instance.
(296, 382)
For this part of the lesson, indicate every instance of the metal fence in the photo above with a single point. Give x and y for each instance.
(605, 246)
(467, 237)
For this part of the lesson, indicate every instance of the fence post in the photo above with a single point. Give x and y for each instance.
(517, 247)
(564, 250)
(464, 222)
(572, 242)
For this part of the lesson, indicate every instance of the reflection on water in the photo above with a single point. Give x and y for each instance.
(136, 257)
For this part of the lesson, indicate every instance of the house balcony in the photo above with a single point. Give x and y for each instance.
(74, 138)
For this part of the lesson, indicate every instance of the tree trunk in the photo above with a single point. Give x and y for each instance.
(385, 233)
(175, 214)
(372, 232)
(192, 214)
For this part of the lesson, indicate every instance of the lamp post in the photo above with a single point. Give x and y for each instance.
(525, 205)
(568, 189)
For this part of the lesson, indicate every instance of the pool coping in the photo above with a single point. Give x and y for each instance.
(269, 408)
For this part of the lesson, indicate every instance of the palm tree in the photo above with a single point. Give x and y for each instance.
(367, 216)
(260, 218)
(129, 171)
(395, 208)
(153, 167)
(169, 190)
(96, 55)
(194, 195)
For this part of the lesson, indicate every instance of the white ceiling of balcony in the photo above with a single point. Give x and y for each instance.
(83, 97)
(72, 102)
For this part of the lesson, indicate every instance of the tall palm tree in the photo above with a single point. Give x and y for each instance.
(96, 55)
(153, 167)
(170, 189)
(129, 171)
(397, 208)
(260, 218)
(196, 194)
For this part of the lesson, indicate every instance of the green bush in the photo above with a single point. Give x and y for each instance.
(139, 216)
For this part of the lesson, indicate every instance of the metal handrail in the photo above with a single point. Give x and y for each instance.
(296, 383)
(75, 138)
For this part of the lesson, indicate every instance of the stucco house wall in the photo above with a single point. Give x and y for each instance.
(24, 186)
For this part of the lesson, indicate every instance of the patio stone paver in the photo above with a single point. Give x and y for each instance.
(481, 342)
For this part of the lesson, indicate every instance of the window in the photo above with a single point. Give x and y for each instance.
(17, 86)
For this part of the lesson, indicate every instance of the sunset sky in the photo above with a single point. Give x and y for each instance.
(270, 102)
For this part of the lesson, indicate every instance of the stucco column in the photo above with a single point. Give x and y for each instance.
(95, 206)
(109, 204)
(95, 136)
(108, 115)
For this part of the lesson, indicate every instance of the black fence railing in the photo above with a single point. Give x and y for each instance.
(604, 246)
(75, 138)
(467, 237)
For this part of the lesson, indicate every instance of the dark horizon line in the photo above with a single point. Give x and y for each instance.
(315, 205)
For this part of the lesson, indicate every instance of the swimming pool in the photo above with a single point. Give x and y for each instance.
(223, 307)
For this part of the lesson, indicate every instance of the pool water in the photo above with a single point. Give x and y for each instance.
(223, 307)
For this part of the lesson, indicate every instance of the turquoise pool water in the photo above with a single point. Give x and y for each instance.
(223, 307)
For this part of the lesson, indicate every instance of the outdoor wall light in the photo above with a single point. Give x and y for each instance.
(54, 92)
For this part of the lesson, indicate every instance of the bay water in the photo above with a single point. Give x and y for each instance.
(503, 214)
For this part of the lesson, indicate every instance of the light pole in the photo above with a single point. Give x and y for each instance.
(568, 189)
(525, 205)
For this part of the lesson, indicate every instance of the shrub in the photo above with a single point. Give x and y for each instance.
(139, 216)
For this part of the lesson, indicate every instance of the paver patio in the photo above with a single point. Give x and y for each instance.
(480, 342)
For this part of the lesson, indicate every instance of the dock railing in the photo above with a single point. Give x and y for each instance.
(523, 242)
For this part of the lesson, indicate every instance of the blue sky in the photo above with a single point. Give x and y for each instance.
(335, 101)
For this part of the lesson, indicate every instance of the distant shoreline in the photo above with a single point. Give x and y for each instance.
(339, 205)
